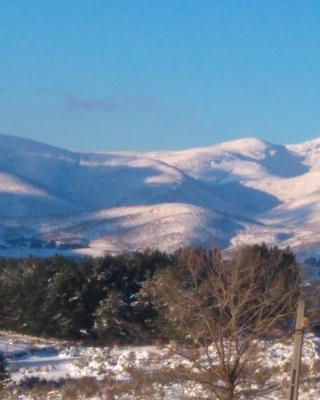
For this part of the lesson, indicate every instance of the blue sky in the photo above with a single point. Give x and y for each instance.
(159, 74)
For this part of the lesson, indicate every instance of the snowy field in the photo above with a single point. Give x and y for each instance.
(53, 361)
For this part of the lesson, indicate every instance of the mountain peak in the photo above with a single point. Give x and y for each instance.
(92, 201)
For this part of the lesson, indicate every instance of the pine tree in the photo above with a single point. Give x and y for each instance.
(4, 375)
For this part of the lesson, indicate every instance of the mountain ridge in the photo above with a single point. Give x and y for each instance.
(229, 194)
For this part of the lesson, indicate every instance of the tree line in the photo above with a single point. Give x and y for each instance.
(77, 298)
(221, 310)
(106, 298)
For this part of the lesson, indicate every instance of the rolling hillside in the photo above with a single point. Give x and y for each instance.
(244, 191)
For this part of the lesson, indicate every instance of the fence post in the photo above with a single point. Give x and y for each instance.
(297, 351)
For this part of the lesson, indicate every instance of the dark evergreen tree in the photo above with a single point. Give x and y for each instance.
(62, 297)
(4, 375)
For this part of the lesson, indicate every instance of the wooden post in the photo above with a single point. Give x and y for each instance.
(297, 351)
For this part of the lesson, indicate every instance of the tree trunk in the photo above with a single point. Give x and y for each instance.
(230, 391)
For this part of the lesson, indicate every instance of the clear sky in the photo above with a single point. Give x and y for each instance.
(159, 74)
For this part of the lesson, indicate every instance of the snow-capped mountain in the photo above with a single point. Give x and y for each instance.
(243, 191)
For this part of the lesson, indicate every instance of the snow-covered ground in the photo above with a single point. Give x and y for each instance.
(53, 361)
(245, 191)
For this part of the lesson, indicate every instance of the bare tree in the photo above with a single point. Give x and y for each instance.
(224, 312)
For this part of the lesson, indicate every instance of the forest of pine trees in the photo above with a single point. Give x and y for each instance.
(74, 299)
(103, 299)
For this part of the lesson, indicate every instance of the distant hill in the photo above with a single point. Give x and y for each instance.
(243, 191)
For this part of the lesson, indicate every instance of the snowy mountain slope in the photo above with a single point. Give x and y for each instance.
(310, 151)
(164, 226)
(242, 191)
(18, 198)
(289, 174)
(93, 181)
(245, 159)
